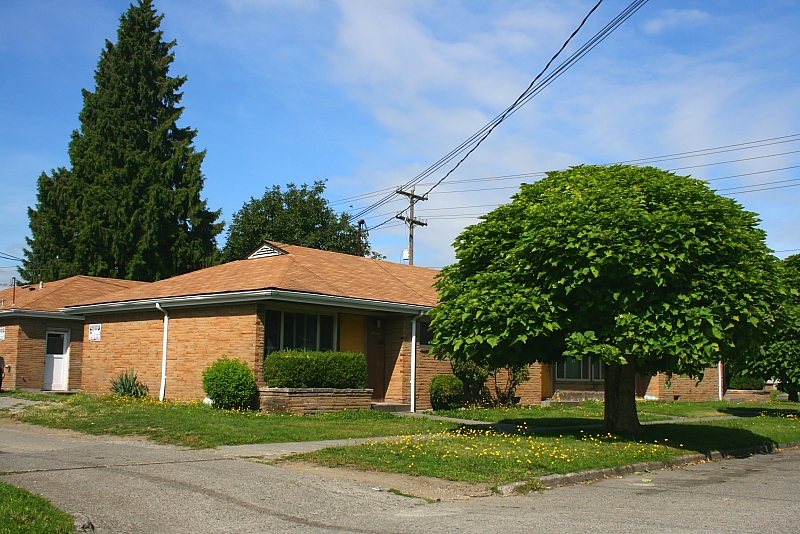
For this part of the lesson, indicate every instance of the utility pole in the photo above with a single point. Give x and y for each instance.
(410, 220)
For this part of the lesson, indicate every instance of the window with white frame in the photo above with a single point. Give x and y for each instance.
(586, 370)
(297, 331)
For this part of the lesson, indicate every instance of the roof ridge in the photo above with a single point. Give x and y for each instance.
(324, 280)
(60, 287)
(396, 278)
(286, 272)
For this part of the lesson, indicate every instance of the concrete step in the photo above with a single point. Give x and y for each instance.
(391, 407)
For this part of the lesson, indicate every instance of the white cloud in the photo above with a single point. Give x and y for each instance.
(671, 18)
(627, 99)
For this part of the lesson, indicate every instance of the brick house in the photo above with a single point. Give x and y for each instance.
(41, 347)
(280, 297)
(291, 297)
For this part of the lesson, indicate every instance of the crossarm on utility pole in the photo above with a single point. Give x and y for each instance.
(410, 220)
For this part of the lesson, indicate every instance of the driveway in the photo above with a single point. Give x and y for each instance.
(128, 485)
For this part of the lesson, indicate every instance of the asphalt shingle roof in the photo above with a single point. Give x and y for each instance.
(300, 269)
(62, 293)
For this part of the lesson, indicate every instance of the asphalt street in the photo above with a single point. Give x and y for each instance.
(129, 485)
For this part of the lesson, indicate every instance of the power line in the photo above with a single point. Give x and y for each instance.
(9, 257)
(703, 165)
(753, 188)
(471, 143)
(653, 159)
(517, 186)
(757, 185)
(762, 189)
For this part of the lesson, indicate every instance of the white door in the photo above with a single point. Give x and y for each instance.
(56, 361)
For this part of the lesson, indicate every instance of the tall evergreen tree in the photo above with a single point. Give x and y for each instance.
(130, 206)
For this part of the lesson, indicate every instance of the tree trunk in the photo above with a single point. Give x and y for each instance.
(793, 396)
(620, 404)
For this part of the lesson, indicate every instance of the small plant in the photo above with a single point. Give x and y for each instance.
(474, 377)
(230, 384)
(447, 392)
(127, 385)
(506, 394)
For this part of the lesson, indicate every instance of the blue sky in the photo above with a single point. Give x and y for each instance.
(366, 94)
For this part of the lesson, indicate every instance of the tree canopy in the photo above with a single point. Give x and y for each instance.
(781, 357)
(130, 205)
(635, 266)
(296, 216)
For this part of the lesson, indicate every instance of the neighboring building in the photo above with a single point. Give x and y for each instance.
(42, 347)
(289, 297)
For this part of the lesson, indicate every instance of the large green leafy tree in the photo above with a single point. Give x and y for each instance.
(296, 216)
(781, 357)
(130, 206)
(635, 266)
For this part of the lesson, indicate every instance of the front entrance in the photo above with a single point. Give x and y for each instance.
(56, 361)
(376, 358)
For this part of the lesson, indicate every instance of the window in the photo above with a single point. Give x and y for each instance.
(424, 333)
(297, 331)
(272, 331)
(580, 370)
(55, 343)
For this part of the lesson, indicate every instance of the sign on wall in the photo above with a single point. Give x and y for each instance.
(95, 332)
(2, 333)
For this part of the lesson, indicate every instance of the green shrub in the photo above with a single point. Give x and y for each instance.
(128, 385)
(230, 384)
(739, 381)
(447, 392)
(313, 369)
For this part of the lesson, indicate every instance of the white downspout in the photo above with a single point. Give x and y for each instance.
(413, 407)
(163, 390)
(721, 381)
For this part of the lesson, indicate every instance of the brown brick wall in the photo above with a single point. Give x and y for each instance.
(24, 349)
(313, 400)
(529, 392)
(398, 369)
(8, 350)
(398, 365)
(398, 357)
(685, 388)
(427, 368)
(197, 338)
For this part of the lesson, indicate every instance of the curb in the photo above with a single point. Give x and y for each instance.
(596, 474)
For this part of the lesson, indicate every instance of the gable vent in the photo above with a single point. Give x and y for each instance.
(265, 251)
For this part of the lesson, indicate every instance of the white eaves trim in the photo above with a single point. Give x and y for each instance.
(17, 312)
(248, 296)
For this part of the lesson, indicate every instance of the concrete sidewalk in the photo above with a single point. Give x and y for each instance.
(14, 404)
(130, 485)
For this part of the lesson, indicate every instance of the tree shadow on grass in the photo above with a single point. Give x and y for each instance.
(691, 438)
(706, 438)
(744, 411)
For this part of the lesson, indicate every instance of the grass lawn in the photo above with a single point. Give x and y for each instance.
(23, 512)
(485, 456)
(194, 424)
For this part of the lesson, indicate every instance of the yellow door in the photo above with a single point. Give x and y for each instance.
(352, 333)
